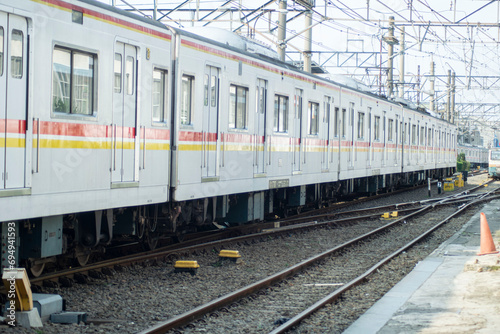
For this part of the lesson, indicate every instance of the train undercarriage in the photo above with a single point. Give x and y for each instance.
(70, 240)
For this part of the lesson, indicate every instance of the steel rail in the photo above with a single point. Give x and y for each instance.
(220, 302)
(166, 251)
(358, 280)
(245, 291)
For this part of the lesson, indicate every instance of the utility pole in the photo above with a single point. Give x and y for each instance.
(418, 85)
(432, 105)
(390, 40)
(448, 98)
(402, 64)
(282, 30)
(454, 118)
(308, 42)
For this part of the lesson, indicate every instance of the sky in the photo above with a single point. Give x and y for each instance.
(457, 35)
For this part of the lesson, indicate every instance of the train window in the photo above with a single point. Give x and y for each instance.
(422, 136)
(313, 114)
(129, 75)
(261, 100)
(344, 112)
(402, 132)
(413, 134)
(351, 114)
(73, 79)
(118, 73)
(404, 129)
(213, 91)
(16, 54)
(336, 122)
(1, 51)
(376, 128)
(238, 107)
(390, 129)
(205, 90)
(297, 104)
(361, 125)
(186, 99)
(280, 113)
(159, 95)
(327, 107)
(396, 132)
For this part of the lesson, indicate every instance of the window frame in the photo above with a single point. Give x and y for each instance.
(280, 115)
(93, 96)
(233, 124)
(390, 129)
(336, 113)
(165, 78)
(376, 128)
(20, 69)
(310, 117)
(361, 125)
(2, 50)
(190, 103)
(343, 127)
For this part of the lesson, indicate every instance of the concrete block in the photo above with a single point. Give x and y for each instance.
(46, 304)
(29, 319)
(68, 317)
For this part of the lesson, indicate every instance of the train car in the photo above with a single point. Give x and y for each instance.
(494, 163)
(477, 156)
(85, 96)
(116, 126)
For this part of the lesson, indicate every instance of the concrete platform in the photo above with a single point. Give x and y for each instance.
(452, 291)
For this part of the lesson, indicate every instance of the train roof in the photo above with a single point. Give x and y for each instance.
(128, 14)
(237, 43)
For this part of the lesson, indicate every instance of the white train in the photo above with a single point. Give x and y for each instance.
(476, 155)
(494, 163)
(114, 124)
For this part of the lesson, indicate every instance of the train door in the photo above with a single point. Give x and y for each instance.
(326, 132)
(13, 100)
(297, 128)
(124, 113)
(210, 122)
(260, 127)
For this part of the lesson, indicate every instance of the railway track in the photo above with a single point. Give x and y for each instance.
(305, 290)
(205, 244)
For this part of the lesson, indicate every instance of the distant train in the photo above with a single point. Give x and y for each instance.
(114, 125)
(494, 163)
(476, 155)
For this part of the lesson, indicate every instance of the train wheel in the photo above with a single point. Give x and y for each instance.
(151, 239)
(151, 235)
(179, 236)
(82, 255)
(140, 227)
(36, 269)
